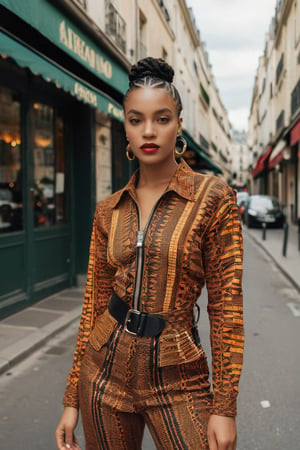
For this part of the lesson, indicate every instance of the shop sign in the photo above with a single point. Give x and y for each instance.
(63, 32)
(85, 94)
(77, 45)
(99, 101)
(26, 57)
(115, 111)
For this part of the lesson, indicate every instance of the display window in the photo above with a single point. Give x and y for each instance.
(11, 200)
(48, 195)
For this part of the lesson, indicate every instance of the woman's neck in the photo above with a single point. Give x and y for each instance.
(155, 176)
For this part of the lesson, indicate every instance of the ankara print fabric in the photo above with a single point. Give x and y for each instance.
(193, 238)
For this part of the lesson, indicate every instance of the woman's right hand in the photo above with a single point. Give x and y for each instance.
(64, 434)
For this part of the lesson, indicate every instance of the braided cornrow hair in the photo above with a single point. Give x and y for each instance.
(155, 73)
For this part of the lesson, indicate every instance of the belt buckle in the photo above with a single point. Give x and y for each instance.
(127, 319)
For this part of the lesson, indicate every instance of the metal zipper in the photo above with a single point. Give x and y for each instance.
(139, 268)
(141, 234)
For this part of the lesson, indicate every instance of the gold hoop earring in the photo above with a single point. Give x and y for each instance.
(129, 153)
(180, 149)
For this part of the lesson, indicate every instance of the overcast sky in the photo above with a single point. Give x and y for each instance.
(234, 33)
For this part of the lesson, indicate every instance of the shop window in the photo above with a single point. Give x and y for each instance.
(49, 167)
(11, 201)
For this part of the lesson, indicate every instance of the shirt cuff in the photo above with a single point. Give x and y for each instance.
(224, 406)
(71, 397)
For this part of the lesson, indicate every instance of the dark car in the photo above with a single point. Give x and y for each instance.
(263, 209)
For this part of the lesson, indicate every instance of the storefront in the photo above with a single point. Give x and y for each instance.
(260, 173)
(197, 158)
(295, 157)
(58, 125)
(283, 167)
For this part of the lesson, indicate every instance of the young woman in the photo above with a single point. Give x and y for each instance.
(154, 245)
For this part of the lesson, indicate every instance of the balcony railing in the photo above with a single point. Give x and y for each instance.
(295, 103)
(81, 3)
(115, 26)
(280, 121)
(279, 68)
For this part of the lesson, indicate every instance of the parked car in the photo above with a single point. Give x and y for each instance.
(10, 212)
(261, 209)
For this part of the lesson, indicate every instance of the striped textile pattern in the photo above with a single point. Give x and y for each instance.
(193, 239)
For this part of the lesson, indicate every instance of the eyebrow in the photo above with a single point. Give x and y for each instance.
(160, 111)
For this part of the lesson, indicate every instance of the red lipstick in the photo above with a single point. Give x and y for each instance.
(149, 147)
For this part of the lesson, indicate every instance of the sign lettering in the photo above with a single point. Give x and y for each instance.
(73, 42)
(118, 113)
(85, 94)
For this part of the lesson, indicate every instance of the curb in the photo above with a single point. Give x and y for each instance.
(17, 352)
(279, 266)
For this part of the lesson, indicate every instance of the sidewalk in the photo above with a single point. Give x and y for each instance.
(273, 246)
(24, 332)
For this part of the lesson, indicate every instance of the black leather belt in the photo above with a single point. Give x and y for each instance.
(135, 322)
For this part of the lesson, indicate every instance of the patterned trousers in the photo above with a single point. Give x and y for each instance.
(122, 389)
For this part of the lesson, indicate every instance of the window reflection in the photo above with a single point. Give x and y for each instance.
(49, 167)
(11, 203)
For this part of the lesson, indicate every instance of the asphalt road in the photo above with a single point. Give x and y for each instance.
(269, 401)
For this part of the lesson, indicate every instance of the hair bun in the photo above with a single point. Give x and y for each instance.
(151, 67)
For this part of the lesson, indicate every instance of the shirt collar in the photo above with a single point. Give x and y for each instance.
(182, 182)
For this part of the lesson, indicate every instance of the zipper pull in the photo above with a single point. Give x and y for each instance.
(140, 238)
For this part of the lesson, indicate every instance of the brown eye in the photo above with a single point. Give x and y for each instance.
(163, 119)
(134, 121)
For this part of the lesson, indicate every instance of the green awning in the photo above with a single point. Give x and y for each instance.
(207, 163)
(62, 31)
(40, 65)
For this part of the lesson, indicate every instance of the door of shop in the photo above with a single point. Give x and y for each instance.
(35, 225)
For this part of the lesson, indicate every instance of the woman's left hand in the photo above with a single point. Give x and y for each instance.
(221, 432)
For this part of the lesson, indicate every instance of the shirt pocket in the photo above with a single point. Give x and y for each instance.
(102, 331)
(179, 347)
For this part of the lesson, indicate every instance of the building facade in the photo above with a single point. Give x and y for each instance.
(274, 122)
(63, 75)
(61, 90)
(240, 161)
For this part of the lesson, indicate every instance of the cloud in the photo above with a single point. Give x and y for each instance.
(239, 117)
(234, 32)
(242, 94)
(234, 62)
(233, 23)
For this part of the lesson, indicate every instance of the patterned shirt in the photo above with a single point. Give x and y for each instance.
(193, 237)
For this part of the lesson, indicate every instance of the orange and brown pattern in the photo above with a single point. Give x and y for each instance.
(121, 389)
(193, 238)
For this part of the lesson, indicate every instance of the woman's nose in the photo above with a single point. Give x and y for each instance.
(149, 129)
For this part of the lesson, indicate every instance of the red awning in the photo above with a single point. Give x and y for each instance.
(278, 158)
(295, 134)
(258, 168)
(260, 164)
(277, 154)
(267, 154)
